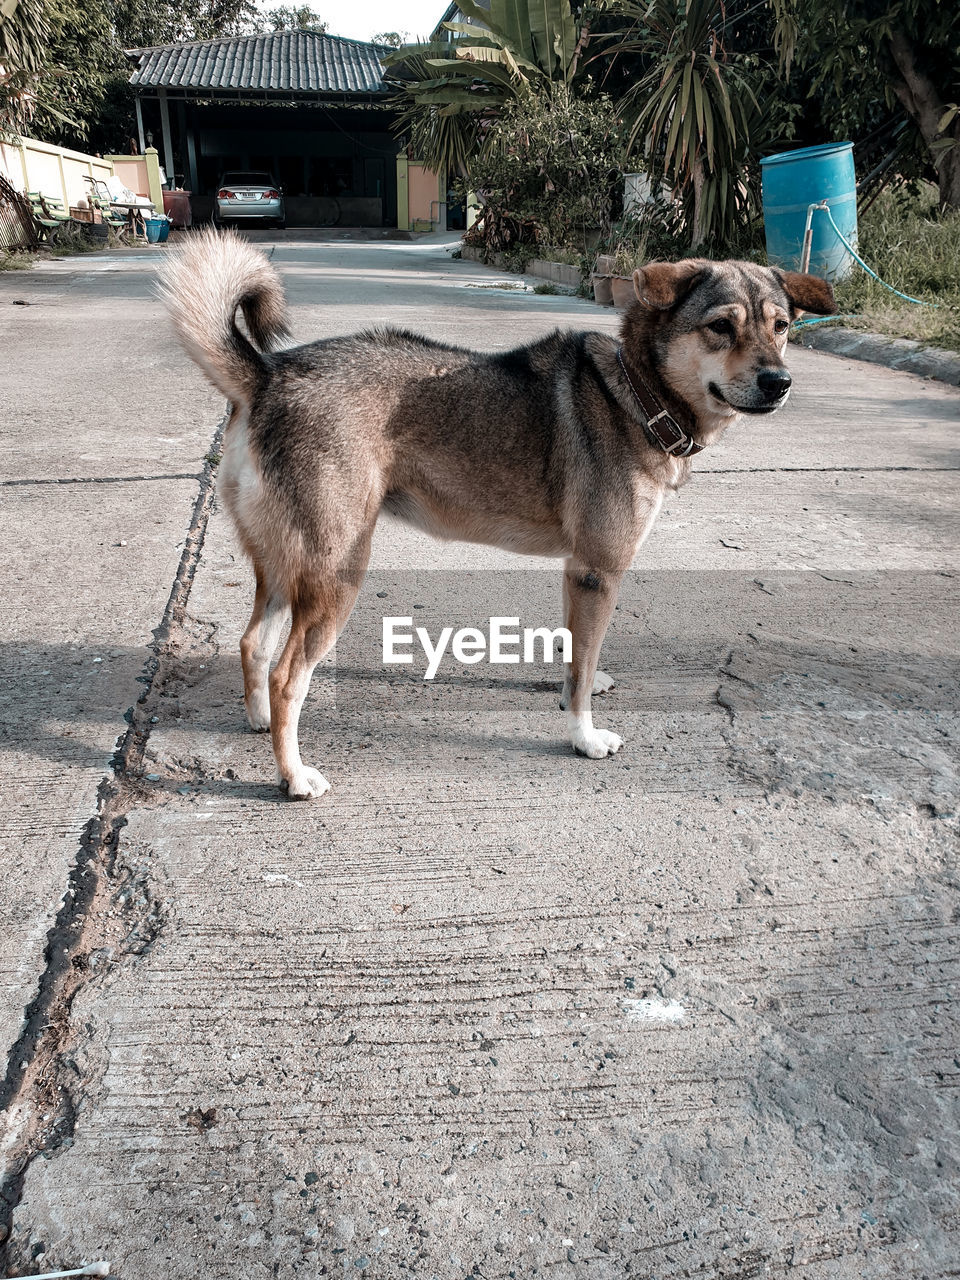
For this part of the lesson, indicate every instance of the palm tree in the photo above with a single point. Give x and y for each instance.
(693, 111)
(449, 89)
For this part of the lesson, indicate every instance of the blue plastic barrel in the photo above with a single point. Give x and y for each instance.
(794, 180)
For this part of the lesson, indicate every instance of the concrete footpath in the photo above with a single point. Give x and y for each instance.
(487, 1009)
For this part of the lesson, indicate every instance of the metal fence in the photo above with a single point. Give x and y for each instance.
(18, 230)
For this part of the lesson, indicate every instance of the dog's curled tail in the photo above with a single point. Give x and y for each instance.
(202, 287)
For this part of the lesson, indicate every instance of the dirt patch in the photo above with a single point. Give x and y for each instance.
(864, 727)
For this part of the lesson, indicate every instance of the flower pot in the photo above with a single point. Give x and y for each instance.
(604, 265)
(602, 291)
(623, 291)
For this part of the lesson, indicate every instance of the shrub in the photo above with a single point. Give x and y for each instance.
(550, 173)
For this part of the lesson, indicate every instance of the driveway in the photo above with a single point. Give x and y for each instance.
(486, 1009)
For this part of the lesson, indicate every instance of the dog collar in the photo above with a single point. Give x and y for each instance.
(662, 429)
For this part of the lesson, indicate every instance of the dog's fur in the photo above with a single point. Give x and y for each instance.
(539, 450)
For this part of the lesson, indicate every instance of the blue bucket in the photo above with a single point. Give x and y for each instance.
(154, 229)
(794, 180)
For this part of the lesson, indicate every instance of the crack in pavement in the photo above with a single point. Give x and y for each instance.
(166, 475)
(710, 471)
(38, 1093)
(748, 471)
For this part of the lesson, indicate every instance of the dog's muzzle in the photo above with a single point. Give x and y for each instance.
(769, 392)
(774, 384)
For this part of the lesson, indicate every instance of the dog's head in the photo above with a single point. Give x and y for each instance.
(717, 331)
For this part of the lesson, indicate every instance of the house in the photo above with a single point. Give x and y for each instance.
(312, 109)
(453, 13)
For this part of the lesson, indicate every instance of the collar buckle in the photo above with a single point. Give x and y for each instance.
(681, 445)
(662, 426)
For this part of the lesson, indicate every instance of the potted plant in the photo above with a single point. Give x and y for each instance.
(623, 291)
(645, 233)
(602, 289)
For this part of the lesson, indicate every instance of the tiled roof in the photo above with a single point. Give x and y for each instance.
(281, 61)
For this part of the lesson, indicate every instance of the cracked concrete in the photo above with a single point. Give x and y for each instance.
(43, 480)
(487, 1009)
(108, 911)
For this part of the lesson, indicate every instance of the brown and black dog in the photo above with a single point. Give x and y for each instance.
(564, 447)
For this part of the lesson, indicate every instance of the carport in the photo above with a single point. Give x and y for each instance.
(311, 109)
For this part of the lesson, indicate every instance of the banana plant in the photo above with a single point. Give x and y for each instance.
(448, 90)
(693, 112)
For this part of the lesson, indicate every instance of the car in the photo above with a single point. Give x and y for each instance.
(249, 197)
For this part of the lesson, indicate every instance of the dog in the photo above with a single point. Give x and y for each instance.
(564, 447)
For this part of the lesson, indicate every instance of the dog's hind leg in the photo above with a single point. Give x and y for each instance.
(602, 683)
(321, 608)
(589, 597)
(259, 643)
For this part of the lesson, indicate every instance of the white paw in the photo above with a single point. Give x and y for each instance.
(307, 785)
(258, 712)
(596, 743)
(602, 683)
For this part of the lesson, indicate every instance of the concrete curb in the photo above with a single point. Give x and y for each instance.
(557, 272)
(895, 353)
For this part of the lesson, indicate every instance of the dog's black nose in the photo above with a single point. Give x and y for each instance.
(774, 383)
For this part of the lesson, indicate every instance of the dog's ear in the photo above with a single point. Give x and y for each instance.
(808, 293)
(661, 285)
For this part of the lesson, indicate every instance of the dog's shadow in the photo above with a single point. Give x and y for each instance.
(324, 749)
(340, 724)
(376, 675)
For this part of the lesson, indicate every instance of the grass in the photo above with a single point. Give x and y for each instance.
(559, 253)
(914, 247)
(903, 237)
(74, 244)
(69, 245)
(16, 261)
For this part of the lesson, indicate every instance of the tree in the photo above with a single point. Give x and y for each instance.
(694, 111)
(449, 90)
(24, 33)
(141, 23)
(293, 18)
(394, 39)
(24, 29)
(56, 57)
(63, 68)
(909, 48)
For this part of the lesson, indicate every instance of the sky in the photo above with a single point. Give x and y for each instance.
(363, 18)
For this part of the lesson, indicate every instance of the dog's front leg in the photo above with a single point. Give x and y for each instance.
(589, 598)
(602, 683)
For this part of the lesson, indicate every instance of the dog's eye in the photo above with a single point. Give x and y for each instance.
(781, 326)
(723, 327)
